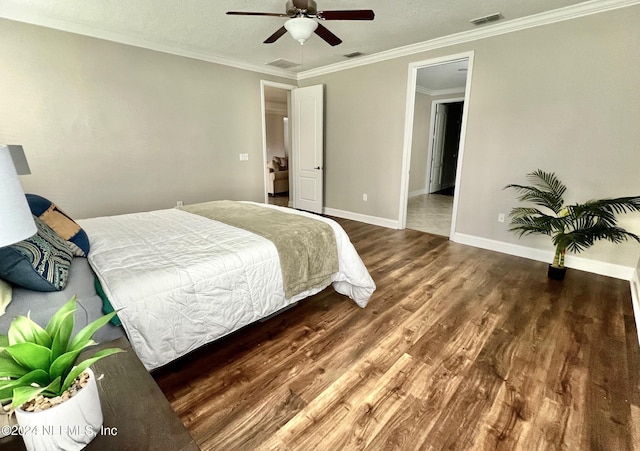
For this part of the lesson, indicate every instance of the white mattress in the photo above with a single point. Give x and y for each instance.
(182, 280)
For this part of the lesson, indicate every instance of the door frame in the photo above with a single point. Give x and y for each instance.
(408, 132)
(263, 106)
(432, 125)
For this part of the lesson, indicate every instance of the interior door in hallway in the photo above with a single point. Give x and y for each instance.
(451, 144)
(437, 154)
(308, 148)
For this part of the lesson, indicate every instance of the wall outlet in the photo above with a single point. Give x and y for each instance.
(244, 157)
(179, 203)
(501, 217)
(364, 197)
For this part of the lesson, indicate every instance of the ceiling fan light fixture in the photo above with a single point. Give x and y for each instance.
(301, 28)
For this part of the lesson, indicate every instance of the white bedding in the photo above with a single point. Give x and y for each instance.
(183, 280)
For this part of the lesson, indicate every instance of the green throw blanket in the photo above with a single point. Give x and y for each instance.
(306, 247)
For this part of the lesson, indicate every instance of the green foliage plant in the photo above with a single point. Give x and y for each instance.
(37, 361)
(572, 228)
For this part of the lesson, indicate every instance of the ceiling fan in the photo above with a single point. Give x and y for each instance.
(301, 23)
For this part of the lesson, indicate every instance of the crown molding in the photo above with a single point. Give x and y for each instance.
(536, 20)
(75, 28)
(550, 17)
(440, 92)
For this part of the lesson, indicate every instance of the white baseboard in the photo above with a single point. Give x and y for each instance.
(635, 298)
(571, 261)
(596, 267)
(606, 269)
(417, 193)
(373, 220)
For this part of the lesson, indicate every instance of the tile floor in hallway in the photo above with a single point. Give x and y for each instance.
(281, 199)
(430, 213)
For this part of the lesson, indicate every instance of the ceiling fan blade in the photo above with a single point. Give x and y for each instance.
(241, 13)
(351, 14)
(275, 36)
(328, 36)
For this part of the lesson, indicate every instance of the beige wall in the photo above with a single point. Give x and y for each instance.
(364, 124)
(274, 123)
(420, 142)
(110, 128)
(560, 97)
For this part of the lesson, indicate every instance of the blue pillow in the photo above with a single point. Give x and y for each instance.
(61, 223)
(39, 263)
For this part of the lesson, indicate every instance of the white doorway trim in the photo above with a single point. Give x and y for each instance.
(263, 106)
(408, 132)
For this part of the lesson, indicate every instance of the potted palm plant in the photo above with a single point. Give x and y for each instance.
(572, 228)
(55, 397)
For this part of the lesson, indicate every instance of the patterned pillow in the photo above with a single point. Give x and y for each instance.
(39, 263)
(61, 223)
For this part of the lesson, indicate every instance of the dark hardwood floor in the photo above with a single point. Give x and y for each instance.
(459, 348)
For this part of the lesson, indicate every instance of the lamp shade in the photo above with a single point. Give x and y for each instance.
(301, 28)
(16, 221)
(19, 159)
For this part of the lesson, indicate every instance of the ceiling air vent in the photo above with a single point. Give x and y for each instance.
(282, 63)
(486, 19)
(353, 54)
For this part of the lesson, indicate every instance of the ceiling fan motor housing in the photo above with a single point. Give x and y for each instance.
(301, 8)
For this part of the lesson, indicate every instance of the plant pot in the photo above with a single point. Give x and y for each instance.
(8, 423)
(556, 273)
(67, 426)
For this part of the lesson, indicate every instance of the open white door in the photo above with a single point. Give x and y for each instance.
(437, 154)
(307, 124)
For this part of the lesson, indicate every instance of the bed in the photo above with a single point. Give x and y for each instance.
(182, 278)
(41, 273)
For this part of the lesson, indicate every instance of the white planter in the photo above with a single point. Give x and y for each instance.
(8, 424)
(67, 426)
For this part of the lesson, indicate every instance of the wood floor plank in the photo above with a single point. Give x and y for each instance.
(358, 404)
(633, 360)
(459, 348)
(635, 425)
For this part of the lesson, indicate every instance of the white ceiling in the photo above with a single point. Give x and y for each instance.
(444, 78)
(200, 28)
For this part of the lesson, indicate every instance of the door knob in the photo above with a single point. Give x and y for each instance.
(317, 167)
